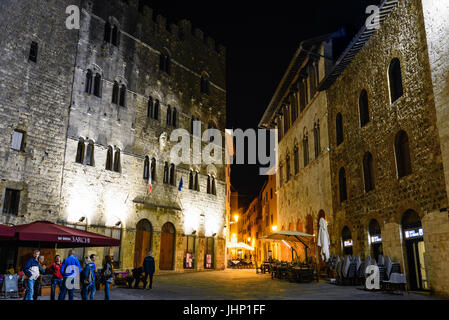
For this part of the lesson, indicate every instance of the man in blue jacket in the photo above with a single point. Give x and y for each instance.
(31, 270)
(70, 271)
(148, 268)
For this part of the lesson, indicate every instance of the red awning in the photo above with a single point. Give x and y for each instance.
(44, 231)
(6, 233)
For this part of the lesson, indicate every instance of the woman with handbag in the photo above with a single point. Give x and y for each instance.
(107, 276)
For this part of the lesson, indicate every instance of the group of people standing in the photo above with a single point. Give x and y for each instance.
(66, 276)
(143, 273)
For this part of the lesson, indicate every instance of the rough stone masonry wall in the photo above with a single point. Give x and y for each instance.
(34, 97)
(436, 19)
(108, 197)
(402, 35)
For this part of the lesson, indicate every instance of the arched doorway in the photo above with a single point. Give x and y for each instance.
(143, 243)
(167, 247)
(415, 250)
(346, 239)
(375, 238)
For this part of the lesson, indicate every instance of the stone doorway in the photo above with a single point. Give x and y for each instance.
(143, 243)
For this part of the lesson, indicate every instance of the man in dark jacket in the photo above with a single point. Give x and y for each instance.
(148, 267)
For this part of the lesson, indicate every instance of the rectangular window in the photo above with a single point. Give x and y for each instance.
(17, 140)
(33, 51)
(11, 202)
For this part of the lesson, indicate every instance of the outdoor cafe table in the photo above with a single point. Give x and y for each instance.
(302, 273)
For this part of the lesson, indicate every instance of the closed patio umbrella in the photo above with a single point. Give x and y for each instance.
(323, 240)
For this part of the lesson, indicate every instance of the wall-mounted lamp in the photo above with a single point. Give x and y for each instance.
(82, 219)
(194, 231)
(214, 234)
(118, 224)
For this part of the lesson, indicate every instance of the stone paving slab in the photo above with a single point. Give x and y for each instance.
(244, 285)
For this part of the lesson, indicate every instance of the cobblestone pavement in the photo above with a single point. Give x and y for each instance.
(244, 285)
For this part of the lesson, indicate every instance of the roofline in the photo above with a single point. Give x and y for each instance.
(291, 71)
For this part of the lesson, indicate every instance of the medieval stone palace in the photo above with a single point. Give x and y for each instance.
(85, 122)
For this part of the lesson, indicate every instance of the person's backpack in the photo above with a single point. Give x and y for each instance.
(89, 279)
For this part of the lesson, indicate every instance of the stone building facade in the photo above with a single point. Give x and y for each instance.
(299, 112)
(125, 81)
(385, 110)
(387, 166)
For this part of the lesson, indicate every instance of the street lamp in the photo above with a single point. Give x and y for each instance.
(274, 228)
(236, 218)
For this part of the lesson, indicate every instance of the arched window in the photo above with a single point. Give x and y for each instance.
(107, 32)
(109, 155)
(293, 106)
(346, 238)
(402, 151)
(303, 95)
(166, 176)
(153, 170)
(208, 184)
(191, 180)
(205, 84)
(146, 168)
(88, 87)
(172, 174)
(150, 108)
(296, 159)
(115, 92)
(97, 85)
(305, 146)
(299, 226)
(168, 115)
(174, 121)
(156, 109)
(90, 154)
(339, 128)
(117, 166)
(317, 138)
(164, 62)
(281, 174)
(80, 151)
(197, 182)
(115, 36)
(363, 108)
(368, 172)
(214, 186)
(122, 95)
(395, 79)
(342, 185)
(192, 124)
(309, 224)
(287, 166)
(286, 119)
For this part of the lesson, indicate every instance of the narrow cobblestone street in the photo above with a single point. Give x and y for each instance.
(243, 285)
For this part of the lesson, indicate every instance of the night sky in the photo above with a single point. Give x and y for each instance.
(261, 39)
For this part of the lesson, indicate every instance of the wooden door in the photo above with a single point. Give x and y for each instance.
(167, 247)
(143, 242)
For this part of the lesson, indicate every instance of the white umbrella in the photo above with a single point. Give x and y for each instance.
(323, 239)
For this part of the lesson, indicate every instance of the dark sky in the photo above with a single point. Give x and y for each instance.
(261, 39)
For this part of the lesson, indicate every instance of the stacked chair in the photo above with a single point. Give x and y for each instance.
(10, 287)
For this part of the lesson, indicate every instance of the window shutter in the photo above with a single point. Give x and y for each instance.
(17, 139)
